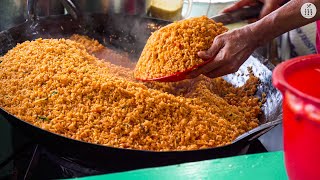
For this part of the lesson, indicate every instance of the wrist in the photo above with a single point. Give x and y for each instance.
(263, 31)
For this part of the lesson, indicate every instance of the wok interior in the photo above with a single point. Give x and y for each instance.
(121, 33)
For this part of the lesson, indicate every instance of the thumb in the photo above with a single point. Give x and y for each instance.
(208, 55)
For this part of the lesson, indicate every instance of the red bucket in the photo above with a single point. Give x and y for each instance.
(299, 82)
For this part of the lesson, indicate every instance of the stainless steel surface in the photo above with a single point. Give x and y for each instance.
(129, 7)
(13, 12)
(33, 11)
(272, 108)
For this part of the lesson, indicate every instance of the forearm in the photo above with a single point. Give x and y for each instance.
(282, 20)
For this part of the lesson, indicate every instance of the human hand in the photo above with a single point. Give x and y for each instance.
(227, 53)
(268, 7)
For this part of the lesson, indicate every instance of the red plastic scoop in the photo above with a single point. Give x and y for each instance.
(178, 76)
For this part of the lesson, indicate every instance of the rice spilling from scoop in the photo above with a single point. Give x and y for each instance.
(174, 48)
(57, 85)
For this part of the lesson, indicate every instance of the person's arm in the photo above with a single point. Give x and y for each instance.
(284, 19)
(231, 49)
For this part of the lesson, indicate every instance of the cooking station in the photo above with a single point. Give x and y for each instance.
(31, 153)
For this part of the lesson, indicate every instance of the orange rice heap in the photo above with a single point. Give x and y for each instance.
(57, 85)
(174, 48)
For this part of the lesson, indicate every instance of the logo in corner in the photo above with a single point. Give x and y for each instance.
(308, 10)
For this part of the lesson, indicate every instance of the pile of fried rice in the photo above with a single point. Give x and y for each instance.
(173, 48)
(60, 86)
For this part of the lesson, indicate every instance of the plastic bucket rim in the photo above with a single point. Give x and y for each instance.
(280, 82)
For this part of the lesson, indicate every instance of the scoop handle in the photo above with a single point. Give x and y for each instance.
(239, 15)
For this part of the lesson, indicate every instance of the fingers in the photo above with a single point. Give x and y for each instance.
(212, 51)
(224, 65)
(229, 64)
(205, 55)
(221, 71)
(269, 6)
(238, 5)
(226, 54)
(208, 55)
(212, 64)
(217, 73)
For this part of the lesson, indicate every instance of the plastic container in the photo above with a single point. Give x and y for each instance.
(299, 82)
(170, 9)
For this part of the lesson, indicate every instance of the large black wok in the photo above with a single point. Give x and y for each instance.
(129, 35)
